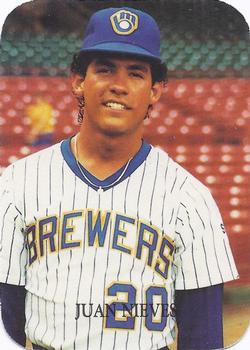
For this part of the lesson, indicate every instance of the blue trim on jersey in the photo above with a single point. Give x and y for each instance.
(136, 161)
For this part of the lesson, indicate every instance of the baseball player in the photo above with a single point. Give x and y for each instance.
(107, 240)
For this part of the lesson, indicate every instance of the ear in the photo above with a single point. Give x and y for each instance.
(77, 83)
(156, 92)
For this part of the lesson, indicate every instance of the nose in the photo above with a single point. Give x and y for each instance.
(118, 85)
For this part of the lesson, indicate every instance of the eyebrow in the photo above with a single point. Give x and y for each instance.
(132, 66)
(104, 62)
(138, 66)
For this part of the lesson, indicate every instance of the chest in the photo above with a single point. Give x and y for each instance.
(134, 218)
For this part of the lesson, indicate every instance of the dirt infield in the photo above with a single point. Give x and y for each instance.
(236, 322)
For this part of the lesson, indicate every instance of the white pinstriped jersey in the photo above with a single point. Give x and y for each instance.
(107, 253)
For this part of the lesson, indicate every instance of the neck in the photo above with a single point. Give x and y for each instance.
(104, 147)
(103, 155)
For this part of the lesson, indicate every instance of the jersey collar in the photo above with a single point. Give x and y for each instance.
(135, 162)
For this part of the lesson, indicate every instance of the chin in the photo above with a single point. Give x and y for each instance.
(114, 129)
(114, 132)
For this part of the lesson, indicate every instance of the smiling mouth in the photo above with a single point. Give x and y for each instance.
(115, 106)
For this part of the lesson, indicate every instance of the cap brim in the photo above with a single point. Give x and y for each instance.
(122, 48)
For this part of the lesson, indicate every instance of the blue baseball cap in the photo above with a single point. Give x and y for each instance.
(123, 30)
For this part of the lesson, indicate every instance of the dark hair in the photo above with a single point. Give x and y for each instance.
(81, 60)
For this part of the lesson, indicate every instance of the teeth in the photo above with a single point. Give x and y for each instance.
(115, 105)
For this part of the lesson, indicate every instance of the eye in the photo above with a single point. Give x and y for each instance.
(136, 75)
(103, 70)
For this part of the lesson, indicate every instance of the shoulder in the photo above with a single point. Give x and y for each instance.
(21, 165)
(182, 182)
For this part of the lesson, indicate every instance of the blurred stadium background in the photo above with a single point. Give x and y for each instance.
(202, 120)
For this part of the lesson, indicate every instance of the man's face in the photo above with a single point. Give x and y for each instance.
(117, 94)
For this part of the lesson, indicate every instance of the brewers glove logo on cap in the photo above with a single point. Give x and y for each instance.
(123, 30)
(124, 22)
